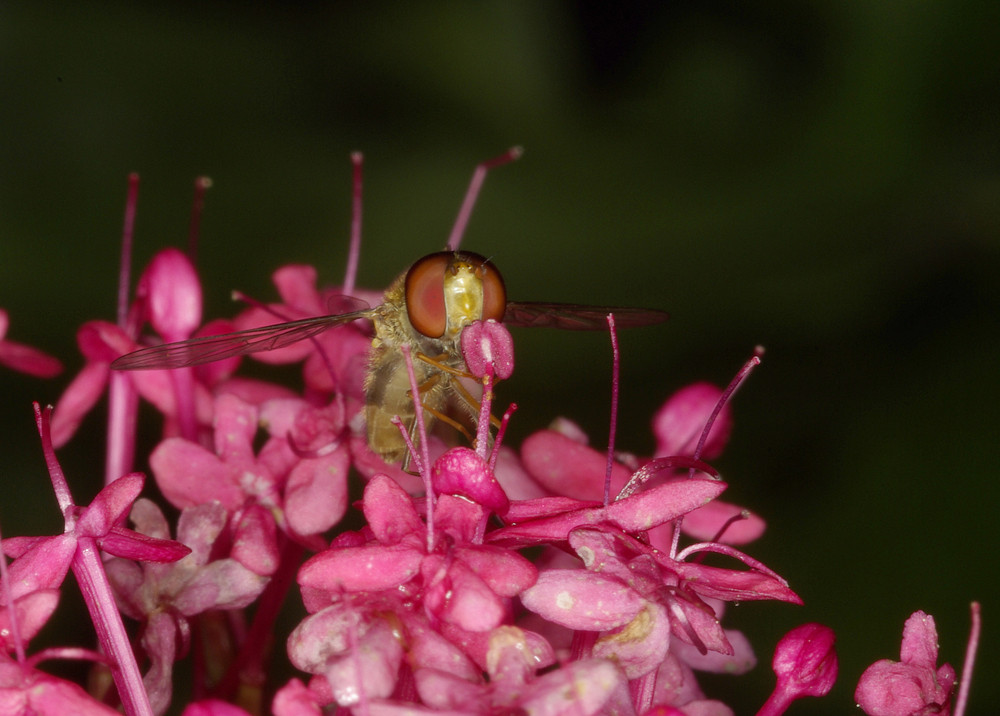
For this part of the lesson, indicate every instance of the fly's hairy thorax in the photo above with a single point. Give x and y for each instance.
(387, 385)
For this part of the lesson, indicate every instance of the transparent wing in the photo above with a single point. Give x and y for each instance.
(196, 351)
(572, 317)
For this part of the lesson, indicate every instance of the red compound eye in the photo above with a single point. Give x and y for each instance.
(425, 286)
(494, 291)
(425, 294)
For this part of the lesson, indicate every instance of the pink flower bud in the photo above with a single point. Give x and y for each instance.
(173, 295)
(460, 471)
(806, 664)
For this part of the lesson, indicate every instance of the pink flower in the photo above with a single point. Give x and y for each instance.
(336, 359)
(165, 596)
(806, 664)
(914, 684)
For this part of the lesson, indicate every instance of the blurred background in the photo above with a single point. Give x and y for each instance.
(819, 178)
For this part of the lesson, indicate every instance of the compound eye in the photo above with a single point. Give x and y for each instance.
(494, 291)
(424, 291)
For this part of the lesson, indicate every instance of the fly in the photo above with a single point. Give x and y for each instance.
(425, 308)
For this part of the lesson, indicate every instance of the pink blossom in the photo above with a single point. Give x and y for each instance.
(806, 664)
(913, 685)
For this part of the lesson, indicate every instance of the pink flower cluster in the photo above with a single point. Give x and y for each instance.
(547, 580)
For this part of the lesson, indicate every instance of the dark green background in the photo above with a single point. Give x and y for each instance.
(820, 178)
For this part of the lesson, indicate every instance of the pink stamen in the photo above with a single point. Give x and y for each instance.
(478, 177)
(125, 269)
(729, 552)
(727, 394)
(43, 419)
(354, 250)
(123, 401)
(485, 406)
(201, 185)
(612, 429)
(424, 459)
(970, 661)
(498, 441)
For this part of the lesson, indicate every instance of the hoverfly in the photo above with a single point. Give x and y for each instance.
(425, 308)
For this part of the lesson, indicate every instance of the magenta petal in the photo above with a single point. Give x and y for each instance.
(580, 688)
(148, 519)
(459, 518)
(110, 505)
(216, 371)
(566, 467)
(294, 699)
(579, 599)
(444, 690)
(129, 544)
(102, 342)
(430, 649)
(257, 317)
(43, 566)
(296, 284)
(705, 522)
(32, 611)
(372, 670)
(678, 425)
(506, 572)
(77, 400)
(646, 509)
(640, 646)
(460, 597)
(525, 510)
(31, 361)
(159, 642)
(214, 707)
(920, 641)
(316, 492)
(255, 542)
(734, 585)
(361, 569)
(40, 694)
(189, 475)
(235, 428)
(321, 636)
(389, 511)
(739, 662)
(199, 527)
(222, 584)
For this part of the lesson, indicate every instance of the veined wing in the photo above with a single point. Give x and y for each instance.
(573, 317)
(206, 349)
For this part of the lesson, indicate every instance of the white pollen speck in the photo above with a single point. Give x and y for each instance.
(564, 600)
